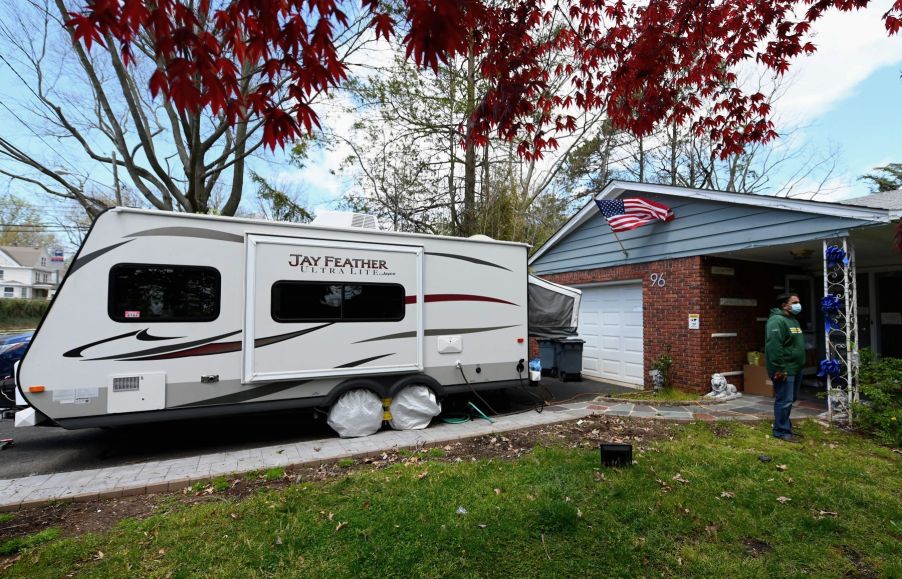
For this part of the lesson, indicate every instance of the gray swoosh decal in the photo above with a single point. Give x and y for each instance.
(76, 352)
(190, 232)
(470, 259)
(436, 332)
(364, 361)
(86, 259)
(267, 389)
(172, 348)
(260, 342)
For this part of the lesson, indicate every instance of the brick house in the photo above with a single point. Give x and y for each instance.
(701, 286)
(28, 273)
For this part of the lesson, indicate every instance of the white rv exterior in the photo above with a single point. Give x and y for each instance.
(165, 316)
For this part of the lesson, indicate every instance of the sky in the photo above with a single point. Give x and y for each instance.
(845, 99)
(847, 96)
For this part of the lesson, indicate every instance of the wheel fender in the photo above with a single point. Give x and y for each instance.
(353, 384)
(420, 380)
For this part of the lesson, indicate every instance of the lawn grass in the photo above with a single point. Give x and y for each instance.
(666, 394)
(16, 544)
(553, 512)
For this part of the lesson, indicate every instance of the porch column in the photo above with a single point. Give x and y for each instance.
(840, 309)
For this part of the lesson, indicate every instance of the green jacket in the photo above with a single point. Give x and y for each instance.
(784, 343)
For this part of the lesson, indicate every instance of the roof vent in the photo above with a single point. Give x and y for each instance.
(345, 219)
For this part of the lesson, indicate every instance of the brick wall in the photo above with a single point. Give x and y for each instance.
(665, 311)
(691, 288)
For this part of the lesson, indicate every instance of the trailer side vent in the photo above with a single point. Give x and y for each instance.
(126, 383)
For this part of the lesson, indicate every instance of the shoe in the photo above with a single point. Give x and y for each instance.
(790, 438)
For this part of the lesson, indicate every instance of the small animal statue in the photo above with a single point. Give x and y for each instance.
(839, 402)
(721, 389)
(657, 378)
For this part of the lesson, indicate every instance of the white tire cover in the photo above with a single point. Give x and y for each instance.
(413, 408)
(356, 413)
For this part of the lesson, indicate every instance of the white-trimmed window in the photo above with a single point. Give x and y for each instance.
(1, 274)
(24, 292)
(8, 292)
(43, 261)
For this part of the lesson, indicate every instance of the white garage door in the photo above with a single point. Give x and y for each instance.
(610, 321)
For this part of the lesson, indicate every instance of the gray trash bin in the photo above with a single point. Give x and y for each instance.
(548, 355)
(569, 359)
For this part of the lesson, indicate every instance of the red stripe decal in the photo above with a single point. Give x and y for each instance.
(456, 298)
(207, 350)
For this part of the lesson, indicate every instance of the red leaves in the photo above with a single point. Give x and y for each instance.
(158, 83)
(892, 19)
(84, 30)
(643, 63)
(384, 25)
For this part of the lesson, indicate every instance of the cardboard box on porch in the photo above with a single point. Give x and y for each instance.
(756, 381)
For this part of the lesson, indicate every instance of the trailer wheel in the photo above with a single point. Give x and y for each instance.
(413, 407)
(357, 412)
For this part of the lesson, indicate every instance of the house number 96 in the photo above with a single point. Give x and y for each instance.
(657, 279)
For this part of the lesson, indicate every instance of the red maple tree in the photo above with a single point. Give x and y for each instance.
(644, 64)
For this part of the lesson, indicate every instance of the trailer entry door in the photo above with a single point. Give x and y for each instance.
(320, 308)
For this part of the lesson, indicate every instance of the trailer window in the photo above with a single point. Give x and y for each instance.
(297, 301)
(163, 293)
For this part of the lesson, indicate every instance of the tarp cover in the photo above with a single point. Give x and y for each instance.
(356, 413)
(553, 309)
(413, 408)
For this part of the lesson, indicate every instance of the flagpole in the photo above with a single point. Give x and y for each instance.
(625, 252)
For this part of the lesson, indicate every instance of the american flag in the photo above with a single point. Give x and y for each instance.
(626, 214)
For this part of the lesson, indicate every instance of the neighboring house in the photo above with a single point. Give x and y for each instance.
(702, 285)
(28, 273)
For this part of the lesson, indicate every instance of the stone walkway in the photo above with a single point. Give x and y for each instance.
(744, 408)
(177, 474)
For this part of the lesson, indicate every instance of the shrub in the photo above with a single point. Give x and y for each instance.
(664, 364)
(880, 386)
(18, 309)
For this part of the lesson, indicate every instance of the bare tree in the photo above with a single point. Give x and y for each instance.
(414, 169)
(90, 123)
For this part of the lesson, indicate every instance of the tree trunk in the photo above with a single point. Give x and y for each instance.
(469, 222)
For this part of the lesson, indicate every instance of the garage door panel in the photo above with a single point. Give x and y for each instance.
(633, 371)
(632, 346)
(611, 367)
(610, 319)
(611, 325)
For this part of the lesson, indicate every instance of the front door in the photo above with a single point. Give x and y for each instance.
(310, 303)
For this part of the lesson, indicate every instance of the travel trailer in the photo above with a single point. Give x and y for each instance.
(171, 316)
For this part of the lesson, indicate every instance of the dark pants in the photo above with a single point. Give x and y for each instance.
(785, 393)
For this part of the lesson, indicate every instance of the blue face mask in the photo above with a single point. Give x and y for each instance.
(796, 309)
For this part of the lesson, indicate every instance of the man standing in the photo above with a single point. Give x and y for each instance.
(784, 349)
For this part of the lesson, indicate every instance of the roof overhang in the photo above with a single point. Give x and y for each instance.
(616, 188)
(874, 250)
